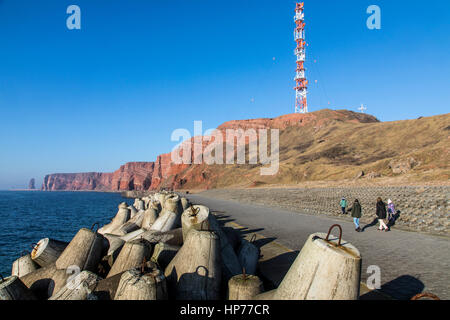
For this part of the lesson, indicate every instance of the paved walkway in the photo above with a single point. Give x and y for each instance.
(410, 262)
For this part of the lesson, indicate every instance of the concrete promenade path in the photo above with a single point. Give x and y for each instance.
(410, 262)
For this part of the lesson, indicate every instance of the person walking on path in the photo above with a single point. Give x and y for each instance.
(391, 210)
(343, 204)
(356, 214)
(381, 214)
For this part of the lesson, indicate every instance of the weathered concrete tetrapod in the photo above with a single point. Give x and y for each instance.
(244, 287)
(23, 266)
(139, 204)
(133, 211)
(85, 251)
(163, 253)
(122, 216)
(165, 222)
(115, 245)
(78, 287)
(233, 237)
(12, 288)
(172, 237)
(150, 216)
(133, 235)
(195, 217)
(195, 271)
(47, 251)
(161, 198)
(105, 289)
(323, 270)
(46, 281)
(184, 203)
(230, 261)
(248, 255)
(131, 225)
(172, 203)
(155, 205)
(138, 284)
(131, 256)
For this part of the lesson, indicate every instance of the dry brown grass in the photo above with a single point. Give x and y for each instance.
(334, 153)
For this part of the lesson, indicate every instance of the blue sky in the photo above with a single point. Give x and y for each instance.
(113, 92)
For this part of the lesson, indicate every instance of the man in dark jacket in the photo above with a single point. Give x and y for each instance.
(356, 214)
(381, 214)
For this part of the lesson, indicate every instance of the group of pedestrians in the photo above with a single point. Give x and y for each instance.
(384, 216)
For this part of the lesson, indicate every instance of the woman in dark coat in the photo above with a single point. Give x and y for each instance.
(381, 214)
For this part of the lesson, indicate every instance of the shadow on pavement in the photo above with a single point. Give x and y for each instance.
(277, 267)
(403, 288)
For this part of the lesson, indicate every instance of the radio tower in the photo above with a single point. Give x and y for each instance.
(301, 106)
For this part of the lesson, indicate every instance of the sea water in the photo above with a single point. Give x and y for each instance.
(28, 216)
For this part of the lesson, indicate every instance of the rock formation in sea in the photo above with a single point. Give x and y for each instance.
(32, 184)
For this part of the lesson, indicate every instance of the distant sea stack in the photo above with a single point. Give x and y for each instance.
(32, 184)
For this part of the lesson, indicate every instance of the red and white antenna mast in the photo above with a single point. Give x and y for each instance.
(301, 106)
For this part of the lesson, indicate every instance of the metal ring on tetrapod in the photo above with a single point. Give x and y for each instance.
(34, 246)
(144, 261)
(425, 295)
(98, 225)
(340, 233)
(201, 226)
(244, 275)
(194, 211)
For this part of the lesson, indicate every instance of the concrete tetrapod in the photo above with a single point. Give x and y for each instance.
(133, 235)
(155, 205)
(161, 198)
(115, 245)
(12, 288)
(173, 237)
(244, 287)
(131, 256)
(84, 251)
(233, 237)
(78, 287)
(131, 225)
(136, 284)
(248, 255)
(150, 216)
(147, 201)
(165, 222)
(133, 211)
(230, 261)
(195, 271)
(122, 216)
(184, 203)
(23, 266)
(105, 289)
(139, 204)
(44, 282)
(163, 253)
(195, 217)
(172, 203)
(323, 270)
(47, 251)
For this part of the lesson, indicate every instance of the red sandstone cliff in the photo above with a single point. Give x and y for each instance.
(164, 173)
(130, 176)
